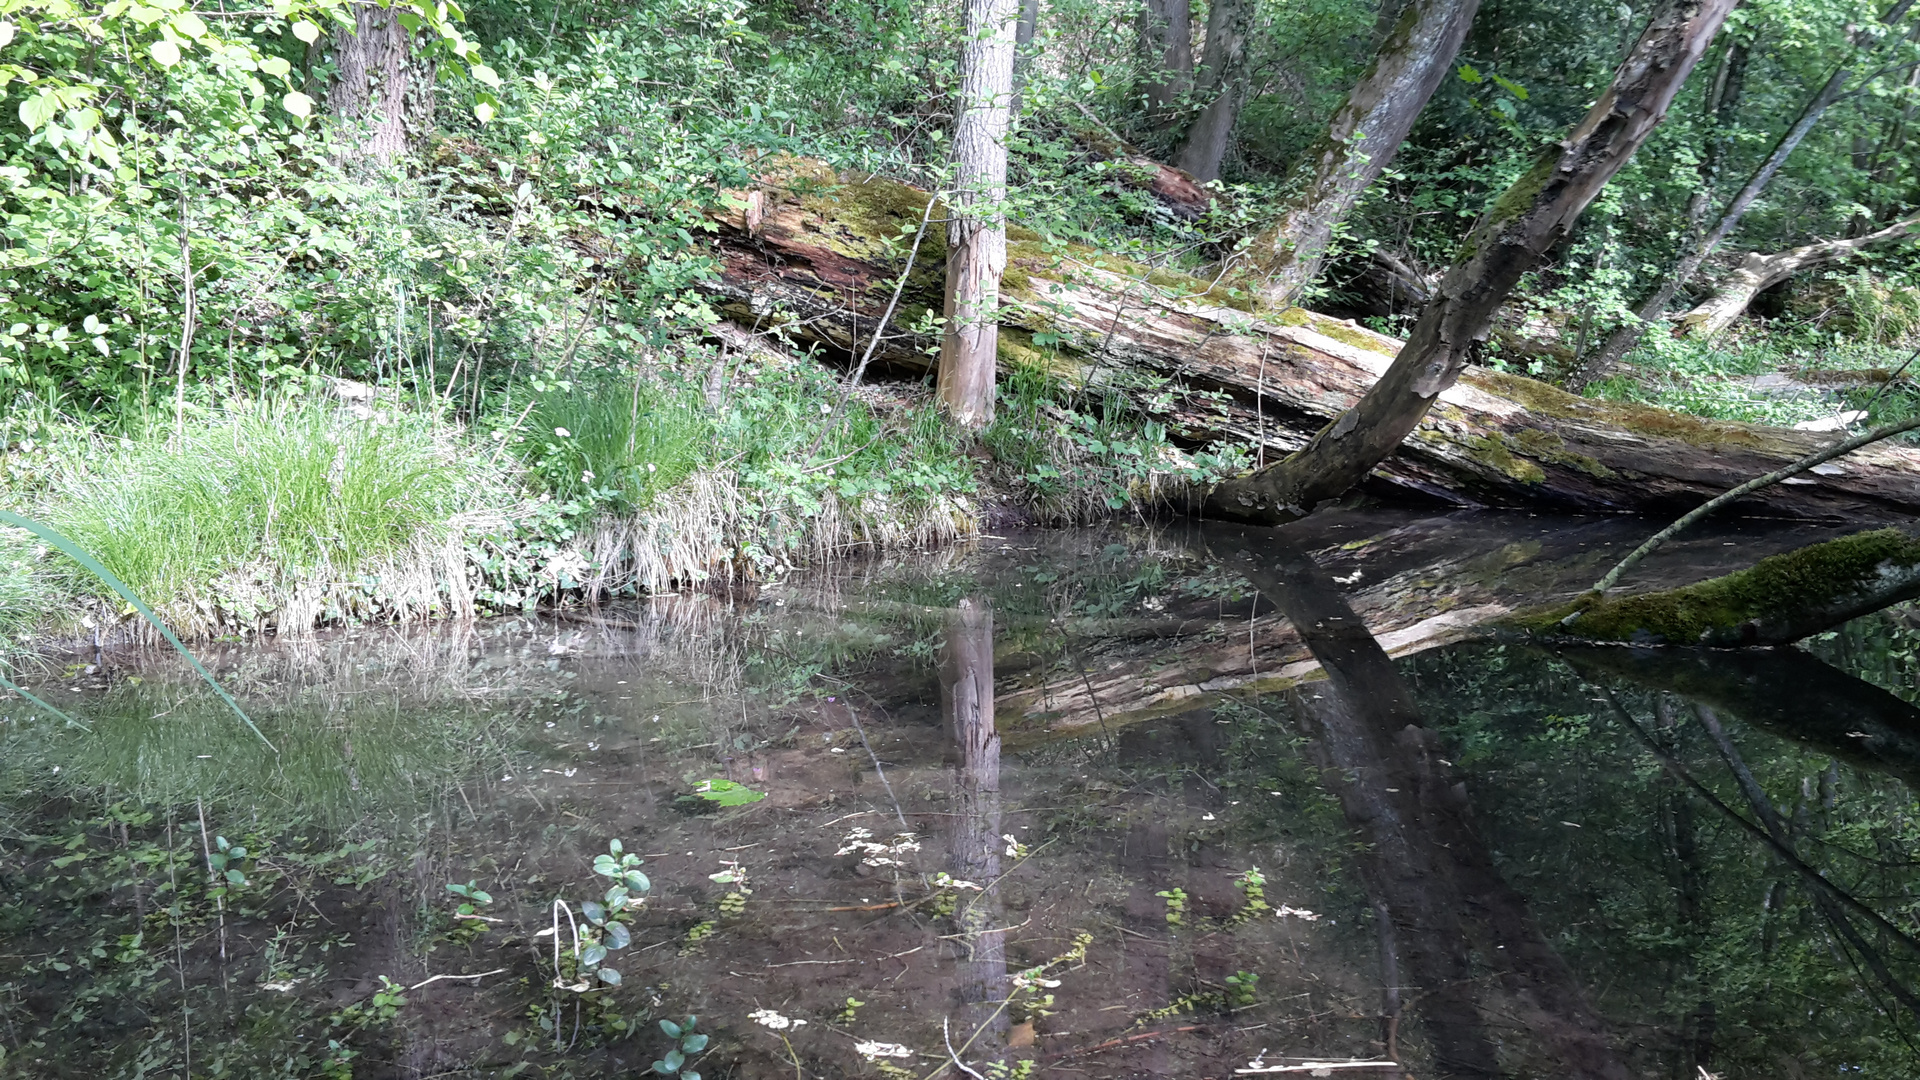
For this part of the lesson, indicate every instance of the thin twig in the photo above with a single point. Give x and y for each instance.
(1818, 458)
(437, 978)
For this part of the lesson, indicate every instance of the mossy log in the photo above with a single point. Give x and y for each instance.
(816, 255)
(1777, 601)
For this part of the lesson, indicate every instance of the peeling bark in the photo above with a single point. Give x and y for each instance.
(1533, 215)
(821, 266)
(1360, 142)
(1757, 272)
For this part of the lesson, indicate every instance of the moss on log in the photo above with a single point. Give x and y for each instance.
(816, 255)
(1779, 600)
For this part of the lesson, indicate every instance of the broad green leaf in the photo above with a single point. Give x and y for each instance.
(609, 976)
(594, 912)
(236, 877)
(483, 112)
(189, 26)
(617, 936)
(672, 1029)
(298, 104)
(165, 53)
(637, 881)
(593, 954)
(37, 110)
(306, 31)
(693, 1044)
(485, 74)
(6, 34)
(276, 66)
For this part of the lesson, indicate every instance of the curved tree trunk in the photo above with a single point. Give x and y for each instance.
(382, 85)
(1622, 340)
(1757, 272)
(1520, 227)
(1223, 85)
(977, 233)
(1360, 142)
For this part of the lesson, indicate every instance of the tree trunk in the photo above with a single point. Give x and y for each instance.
(977, 233)
(1176, 190)
(1533, 215)
(1166, 40)
(1023, 33)
(1359, 144)
(1622, 341)
(381, 85)
(1757, 272)
(1226, 376)
(1223, 86)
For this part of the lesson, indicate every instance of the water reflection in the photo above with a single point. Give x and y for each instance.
(1230, 831)
(1453, 925)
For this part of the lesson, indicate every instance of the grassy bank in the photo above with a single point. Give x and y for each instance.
(333, 503)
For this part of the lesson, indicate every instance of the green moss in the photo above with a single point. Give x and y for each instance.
(1772, 589)
(1515, 201)
(1498, 451)
(1343, 333)
(1548, 447)
(1539, 398)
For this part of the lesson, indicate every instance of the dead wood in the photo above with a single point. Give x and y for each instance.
(821, 263)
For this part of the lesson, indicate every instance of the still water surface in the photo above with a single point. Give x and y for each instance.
(1103, 803)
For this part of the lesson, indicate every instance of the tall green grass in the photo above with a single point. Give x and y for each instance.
(616, 441)
(238, 511)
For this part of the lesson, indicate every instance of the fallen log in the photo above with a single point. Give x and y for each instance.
(816, 256)
(1758, 271)
(1777, 601)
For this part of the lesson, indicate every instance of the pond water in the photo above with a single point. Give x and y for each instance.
(1119, 802)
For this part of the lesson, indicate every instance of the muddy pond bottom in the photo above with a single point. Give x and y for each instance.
(1096, 804)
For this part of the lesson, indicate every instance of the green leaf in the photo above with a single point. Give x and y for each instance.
(58, 540)
(609, 976)
(306, 31)
(1469, 74)
(615, 847)
(605, 866)
(276, 66)
(672, 1029)
(594, 912)
(189, 26)
(637, 881)
(485, 74)
(728, 793)
(593, 954)
(674, 1060)
(617, 936)
(298, 104)
(236, 877)
(693, 1044)
(165, 53)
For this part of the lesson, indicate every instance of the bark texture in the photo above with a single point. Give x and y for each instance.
(382, 85)
(977, 229)
(1359, 144)
(821, 265)
(1529, 219)
(974, 830)
(1222, 84)
(1166, 37)
(1757, 272)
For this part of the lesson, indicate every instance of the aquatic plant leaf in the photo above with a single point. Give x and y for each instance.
(728, 793)
(93, 566)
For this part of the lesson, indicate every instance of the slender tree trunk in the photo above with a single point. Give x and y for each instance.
(1757, 272)
(1362, 139)
(1626, 337)
(1023, 33)
(1166, 40)
(1223, 85)
(382, 85)
(1521, 226)
(977, 234)
(973, 838)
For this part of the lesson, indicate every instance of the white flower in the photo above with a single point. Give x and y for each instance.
(769, 1019)
(873, 1050)
(876, 854)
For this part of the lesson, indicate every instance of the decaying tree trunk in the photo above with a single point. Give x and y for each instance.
(821, 263)
(382, 84)
(977, 229)
(1757, 272)
(1360, 142)
(1778, 601)
(1177, 190)
(1516, 231)
(1223, 85)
